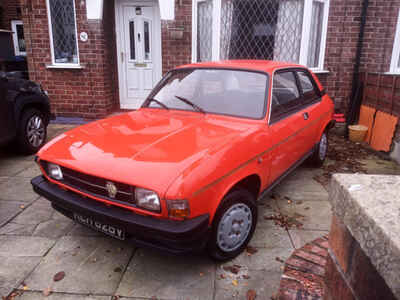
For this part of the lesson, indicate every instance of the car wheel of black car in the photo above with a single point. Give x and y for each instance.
(233, 225)
(32, 131)
(319, 155)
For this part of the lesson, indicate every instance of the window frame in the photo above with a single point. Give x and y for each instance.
(294, 110)
(53, 61)
(14, 24)
(394, 64)
(318, 94)
(305, 36)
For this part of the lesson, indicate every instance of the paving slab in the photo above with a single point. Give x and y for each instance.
(231, 286)
(30, 172)
(16, 246)
(9, 209)
(153, 274)
(3, 179)
(17, 189)
(92, 266)
(313, 215)
(39, 219)
(265, 259)
(301, 237)
(269, 235)
(13, 271)
(26, 295)
(11, 167)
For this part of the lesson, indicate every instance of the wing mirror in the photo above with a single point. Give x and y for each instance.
(3, 76)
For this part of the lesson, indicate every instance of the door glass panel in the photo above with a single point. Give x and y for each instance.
(132, 39)
(147, 40)
(285, 96)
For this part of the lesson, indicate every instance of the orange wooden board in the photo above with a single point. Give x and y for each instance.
(367, 119)
(382, 133)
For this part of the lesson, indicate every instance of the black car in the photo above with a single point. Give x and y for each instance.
(24, 113)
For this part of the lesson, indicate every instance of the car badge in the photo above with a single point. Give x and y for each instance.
(111, 189)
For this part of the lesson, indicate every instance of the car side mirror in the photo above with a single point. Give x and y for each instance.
(3, 76)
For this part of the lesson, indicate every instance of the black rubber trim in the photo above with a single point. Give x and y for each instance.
(163, 234)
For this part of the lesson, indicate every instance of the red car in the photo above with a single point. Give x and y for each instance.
(185, 171)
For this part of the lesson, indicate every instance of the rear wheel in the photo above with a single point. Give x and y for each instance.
(32, 131)
(318, 157)
(233, 225)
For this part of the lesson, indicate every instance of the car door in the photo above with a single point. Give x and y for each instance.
(7, 128)
(311, 109)
(285, 123)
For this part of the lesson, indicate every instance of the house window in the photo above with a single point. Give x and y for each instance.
(18, 37)
(284, 30)
(63, 34)
(395, 64)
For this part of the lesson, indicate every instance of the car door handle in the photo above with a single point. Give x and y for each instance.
(306, 116)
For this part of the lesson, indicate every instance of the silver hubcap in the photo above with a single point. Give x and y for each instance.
(35, 131)
(234, 227)
(323, 146)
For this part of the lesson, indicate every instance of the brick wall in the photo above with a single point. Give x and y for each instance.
(342, 37)
(343, 30)
(379, 35)
(177, 52)
(11, 11)
(88, 92)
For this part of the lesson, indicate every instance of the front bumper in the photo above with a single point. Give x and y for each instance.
(168, 235)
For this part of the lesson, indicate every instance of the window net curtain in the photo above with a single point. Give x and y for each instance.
(204, 30)
(288, 31)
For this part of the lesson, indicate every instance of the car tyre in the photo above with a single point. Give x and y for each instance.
(32, 131)
(321, 150)
(233, 225)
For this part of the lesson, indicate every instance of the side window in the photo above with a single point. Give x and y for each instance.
(285, 96)
(308, 87)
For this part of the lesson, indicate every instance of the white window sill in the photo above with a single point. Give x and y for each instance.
(392, 73)
(73, 67)
(320, 71)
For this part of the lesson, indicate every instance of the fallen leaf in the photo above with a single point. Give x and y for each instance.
(306, 208)
(201, 274)
(251, 250)
(251, 295)
(235, 282)
(22, 206)
(233, 269)
(46, 292)
(59, 276)
(118, 270)
(25, 287)
(279, 259)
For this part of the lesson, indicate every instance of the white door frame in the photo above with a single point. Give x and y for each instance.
(120, 45)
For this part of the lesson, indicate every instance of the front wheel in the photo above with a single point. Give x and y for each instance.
(32, 131)
(233, 225)
(318, 157)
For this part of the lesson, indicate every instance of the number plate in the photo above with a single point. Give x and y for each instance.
(110, 230)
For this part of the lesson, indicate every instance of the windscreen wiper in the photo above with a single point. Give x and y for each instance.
(158, 102)
(191, 104)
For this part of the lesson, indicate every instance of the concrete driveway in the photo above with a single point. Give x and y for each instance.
(36, 243)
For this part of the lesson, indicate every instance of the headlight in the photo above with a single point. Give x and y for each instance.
(147, 199)
(178, 208)
(54, 171)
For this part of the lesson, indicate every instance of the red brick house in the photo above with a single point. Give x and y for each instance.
(97, 56)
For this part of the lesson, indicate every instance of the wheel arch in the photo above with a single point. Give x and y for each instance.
(250, 182)
(31, 101)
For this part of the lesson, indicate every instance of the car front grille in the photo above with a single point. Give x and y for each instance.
(96, 186)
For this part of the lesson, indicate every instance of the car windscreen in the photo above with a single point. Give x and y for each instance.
(219, 91)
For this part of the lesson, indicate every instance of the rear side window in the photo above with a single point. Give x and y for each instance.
(285, 96)
(309, 87)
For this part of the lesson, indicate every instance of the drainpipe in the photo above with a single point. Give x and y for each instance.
(355, 103)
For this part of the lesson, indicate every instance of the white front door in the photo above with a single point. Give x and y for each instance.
(139, 48)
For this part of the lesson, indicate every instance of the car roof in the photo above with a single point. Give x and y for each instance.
(255, 65)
